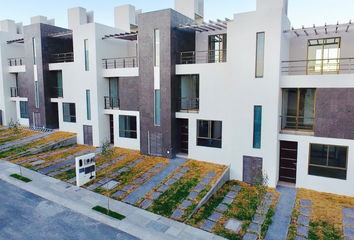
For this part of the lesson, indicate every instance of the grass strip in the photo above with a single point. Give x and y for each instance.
(24, 179)
(110, 213)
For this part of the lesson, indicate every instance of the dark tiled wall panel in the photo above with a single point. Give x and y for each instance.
(335, 113)
(129, 93)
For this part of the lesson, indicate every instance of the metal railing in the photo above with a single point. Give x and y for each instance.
(62, 57)
(14, 91)
(188, 104)
(56, 92)
(318, 66)
(211, 56)
(16, 62)
(126, 62)
(297, 123)
(111, 102)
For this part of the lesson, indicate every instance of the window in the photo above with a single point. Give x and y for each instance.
(87, 68)
(257, 126)
(88, 104)
(260, 55)
(298, 109)
(59, 84)
(209, 133)
(323, 56)
(157, 107)
(34, 51)
(114, 92)
(24, 109)
(328, 161)
(217, 48)
(69, 114)
(127, 126)
(189, 92)
(157, 47)
(36, 93)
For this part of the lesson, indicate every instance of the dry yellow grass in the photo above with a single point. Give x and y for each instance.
(326, 208)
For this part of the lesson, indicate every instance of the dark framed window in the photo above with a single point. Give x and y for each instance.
(260, 55)
(209, 133)
(24, 109)
(257, 127)
(217, 48)
(69, 112)
(328, 161)
(86, 46)
(127, 126)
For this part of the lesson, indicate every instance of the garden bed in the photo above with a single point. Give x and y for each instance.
(325, 217)
(242, 208)
(8, 135)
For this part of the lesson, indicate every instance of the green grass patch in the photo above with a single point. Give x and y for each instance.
(109, 213)
(318, 229)
(69, 174)
(170, 199)
(19, 177)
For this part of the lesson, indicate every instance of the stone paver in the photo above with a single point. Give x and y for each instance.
(94, 186)
(145, 175)
(146, 203)
(231, 194)
(155, 195)
(163, 188)
(236, 188)
(138, 180)
(269, 196)
(193, 195)
(105, 180)
(253, 227)
(185, 204)
(177, 214)
(228, 200)
(259, 218)
(208, 225)
(303, 220)
(118, 194)
(37, 162)
(250, 236)
(233, 225)
(267, 202)
(177, 175)
(160, 165)
(302, 230)
(199, 188)
(128, 187)
(170, 181)
(348, 211)
(210, 175)
(348, 221)
(305, 203)
(305, 211)
(110, 185)
(221, 207)
(205, 181)
(215, 216)
(155, 169)
(348, 231)
(184, 169)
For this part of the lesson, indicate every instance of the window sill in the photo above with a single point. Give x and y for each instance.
(294, 132)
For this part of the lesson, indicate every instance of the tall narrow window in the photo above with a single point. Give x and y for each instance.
(88, 104)
(114, 92)
(257, 126)
(157, 108)
(217, 48)
(157, 48)
(298, 109)
(34, 51)
(86, 55)
(189, 93)
(323, 56)
(260, 55)
(59, 84)
(36, 93)
(24, 109)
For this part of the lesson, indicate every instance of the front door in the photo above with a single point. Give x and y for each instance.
(184, 135)
(288, 161)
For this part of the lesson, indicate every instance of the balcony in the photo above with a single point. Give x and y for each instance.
(14, 91)
(211, 56)
(296, 123)
(62, 57)
(56, 92)
(318, 66)
(188, 105)
(111, 102)
(126, 62)
(16, 62)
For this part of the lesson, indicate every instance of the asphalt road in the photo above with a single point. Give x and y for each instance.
(24, 215)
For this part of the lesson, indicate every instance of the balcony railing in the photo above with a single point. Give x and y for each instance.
(211, 56)
(297, 123)
(16, 62)
(56, 92)
(14, 91)
(126, 62)
(189, 104)
(111, 102)
(62, 57)
(318, 66)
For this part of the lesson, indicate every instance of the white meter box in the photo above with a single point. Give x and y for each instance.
(85, 168)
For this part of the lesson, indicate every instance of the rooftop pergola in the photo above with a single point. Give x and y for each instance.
(206, 27)
(20, 40)
(132, 36)
(322, 29)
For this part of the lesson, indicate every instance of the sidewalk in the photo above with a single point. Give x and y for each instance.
(138, 222)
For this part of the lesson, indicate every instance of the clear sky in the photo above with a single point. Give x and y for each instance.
(301, 12)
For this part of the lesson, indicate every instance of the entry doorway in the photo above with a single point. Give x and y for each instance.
(287, 161)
